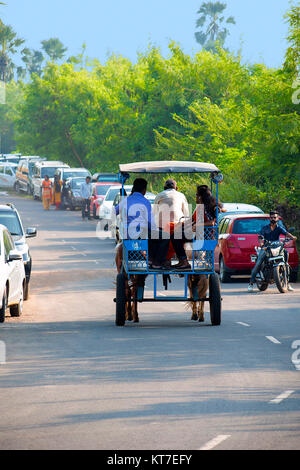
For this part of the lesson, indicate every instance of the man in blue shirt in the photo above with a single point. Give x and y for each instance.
(139, 223)
(271, 233)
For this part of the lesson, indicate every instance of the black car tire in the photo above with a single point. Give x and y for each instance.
(224, 275)
(26, 290)
(16, 310)
(4, 307)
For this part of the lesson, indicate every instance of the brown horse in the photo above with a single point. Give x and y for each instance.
(131, 284)
(200, 281)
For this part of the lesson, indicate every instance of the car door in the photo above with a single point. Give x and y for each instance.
(13, 269)
(3, 177)
(218, 247)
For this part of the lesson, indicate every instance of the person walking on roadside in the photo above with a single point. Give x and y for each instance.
(46, 193)
(86, 191)
(57, 192)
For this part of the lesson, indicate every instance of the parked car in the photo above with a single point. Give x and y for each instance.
(238, 208)
(105, 178)
(105, 211)
(24, 173)
(12, 276)
(116, 225)
(238, 235)
(72, 198)
(7, 175)
(99, 193)
(11, 157)
(40, 170)
(66, 173)
(10, 217)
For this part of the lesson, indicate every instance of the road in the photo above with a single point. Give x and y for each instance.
(73, 380)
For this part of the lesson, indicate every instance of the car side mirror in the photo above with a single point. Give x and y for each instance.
(291, 230)
(14, 255)
(31, 232)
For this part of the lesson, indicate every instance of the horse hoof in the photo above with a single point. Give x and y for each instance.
(201, 319)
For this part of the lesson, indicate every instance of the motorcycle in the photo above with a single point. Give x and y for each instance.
(275, 268)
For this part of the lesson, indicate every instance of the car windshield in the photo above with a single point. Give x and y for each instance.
(76, 184)
(112, 194)
(11, 221)
(102, 189)
(50, 170)
(74, 174)
(249, 226)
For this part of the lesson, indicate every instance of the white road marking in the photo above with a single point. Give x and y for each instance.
(214, 442)
(274, 340)
(282, 396)
(242, 323)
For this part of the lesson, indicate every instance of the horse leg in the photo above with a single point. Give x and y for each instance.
(201, 311)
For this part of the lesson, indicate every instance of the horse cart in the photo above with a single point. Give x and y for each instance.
(135, 266)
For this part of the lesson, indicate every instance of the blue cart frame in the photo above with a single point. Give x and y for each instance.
(135, 252)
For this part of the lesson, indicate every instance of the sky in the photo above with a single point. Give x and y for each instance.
(127, 27)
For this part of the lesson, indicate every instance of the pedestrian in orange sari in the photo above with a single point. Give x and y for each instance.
(46, 193)
(57, 192)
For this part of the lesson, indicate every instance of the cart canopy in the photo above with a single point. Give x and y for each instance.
(169, 167)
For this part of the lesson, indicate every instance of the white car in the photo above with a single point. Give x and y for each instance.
(7, 174)
(12, 276)
(40, 170)
(239, 208)
(105, 210)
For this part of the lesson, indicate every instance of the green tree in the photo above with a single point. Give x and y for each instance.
(9, 44)
(210, 23)
(33, 60)
(54, 48)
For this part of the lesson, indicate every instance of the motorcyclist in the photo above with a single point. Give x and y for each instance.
(270, 232)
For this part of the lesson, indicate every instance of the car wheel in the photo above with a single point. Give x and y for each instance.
(16, 310)
(224, 275)
(95, 212)
(4, 307)
(17, 187)
(26, 291)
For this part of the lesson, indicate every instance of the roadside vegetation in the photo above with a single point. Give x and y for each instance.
(209, 107)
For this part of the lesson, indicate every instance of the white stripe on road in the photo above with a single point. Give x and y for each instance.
(242, 323)
(282, 396)
(214, 442)
(274, 340)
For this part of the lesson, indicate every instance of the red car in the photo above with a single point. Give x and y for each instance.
(237, 239)
(99, 192)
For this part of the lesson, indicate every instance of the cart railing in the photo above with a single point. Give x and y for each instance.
(200, 253)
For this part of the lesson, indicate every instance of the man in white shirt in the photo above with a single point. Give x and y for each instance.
(86, 191)
(170, 208)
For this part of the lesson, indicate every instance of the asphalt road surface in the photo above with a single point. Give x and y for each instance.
(73, 380)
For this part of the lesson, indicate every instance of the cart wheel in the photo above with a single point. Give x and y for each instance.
(120, 300)
(215, 302)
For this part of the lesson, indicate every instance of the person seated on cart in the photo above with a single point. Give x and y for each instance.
(170, 210)
(271, 233)
(139, 223)
(206, 210)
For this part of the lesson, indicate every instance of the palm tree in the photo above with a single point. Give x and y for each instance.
(211, 14)
(9, 43)
(54, 48)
